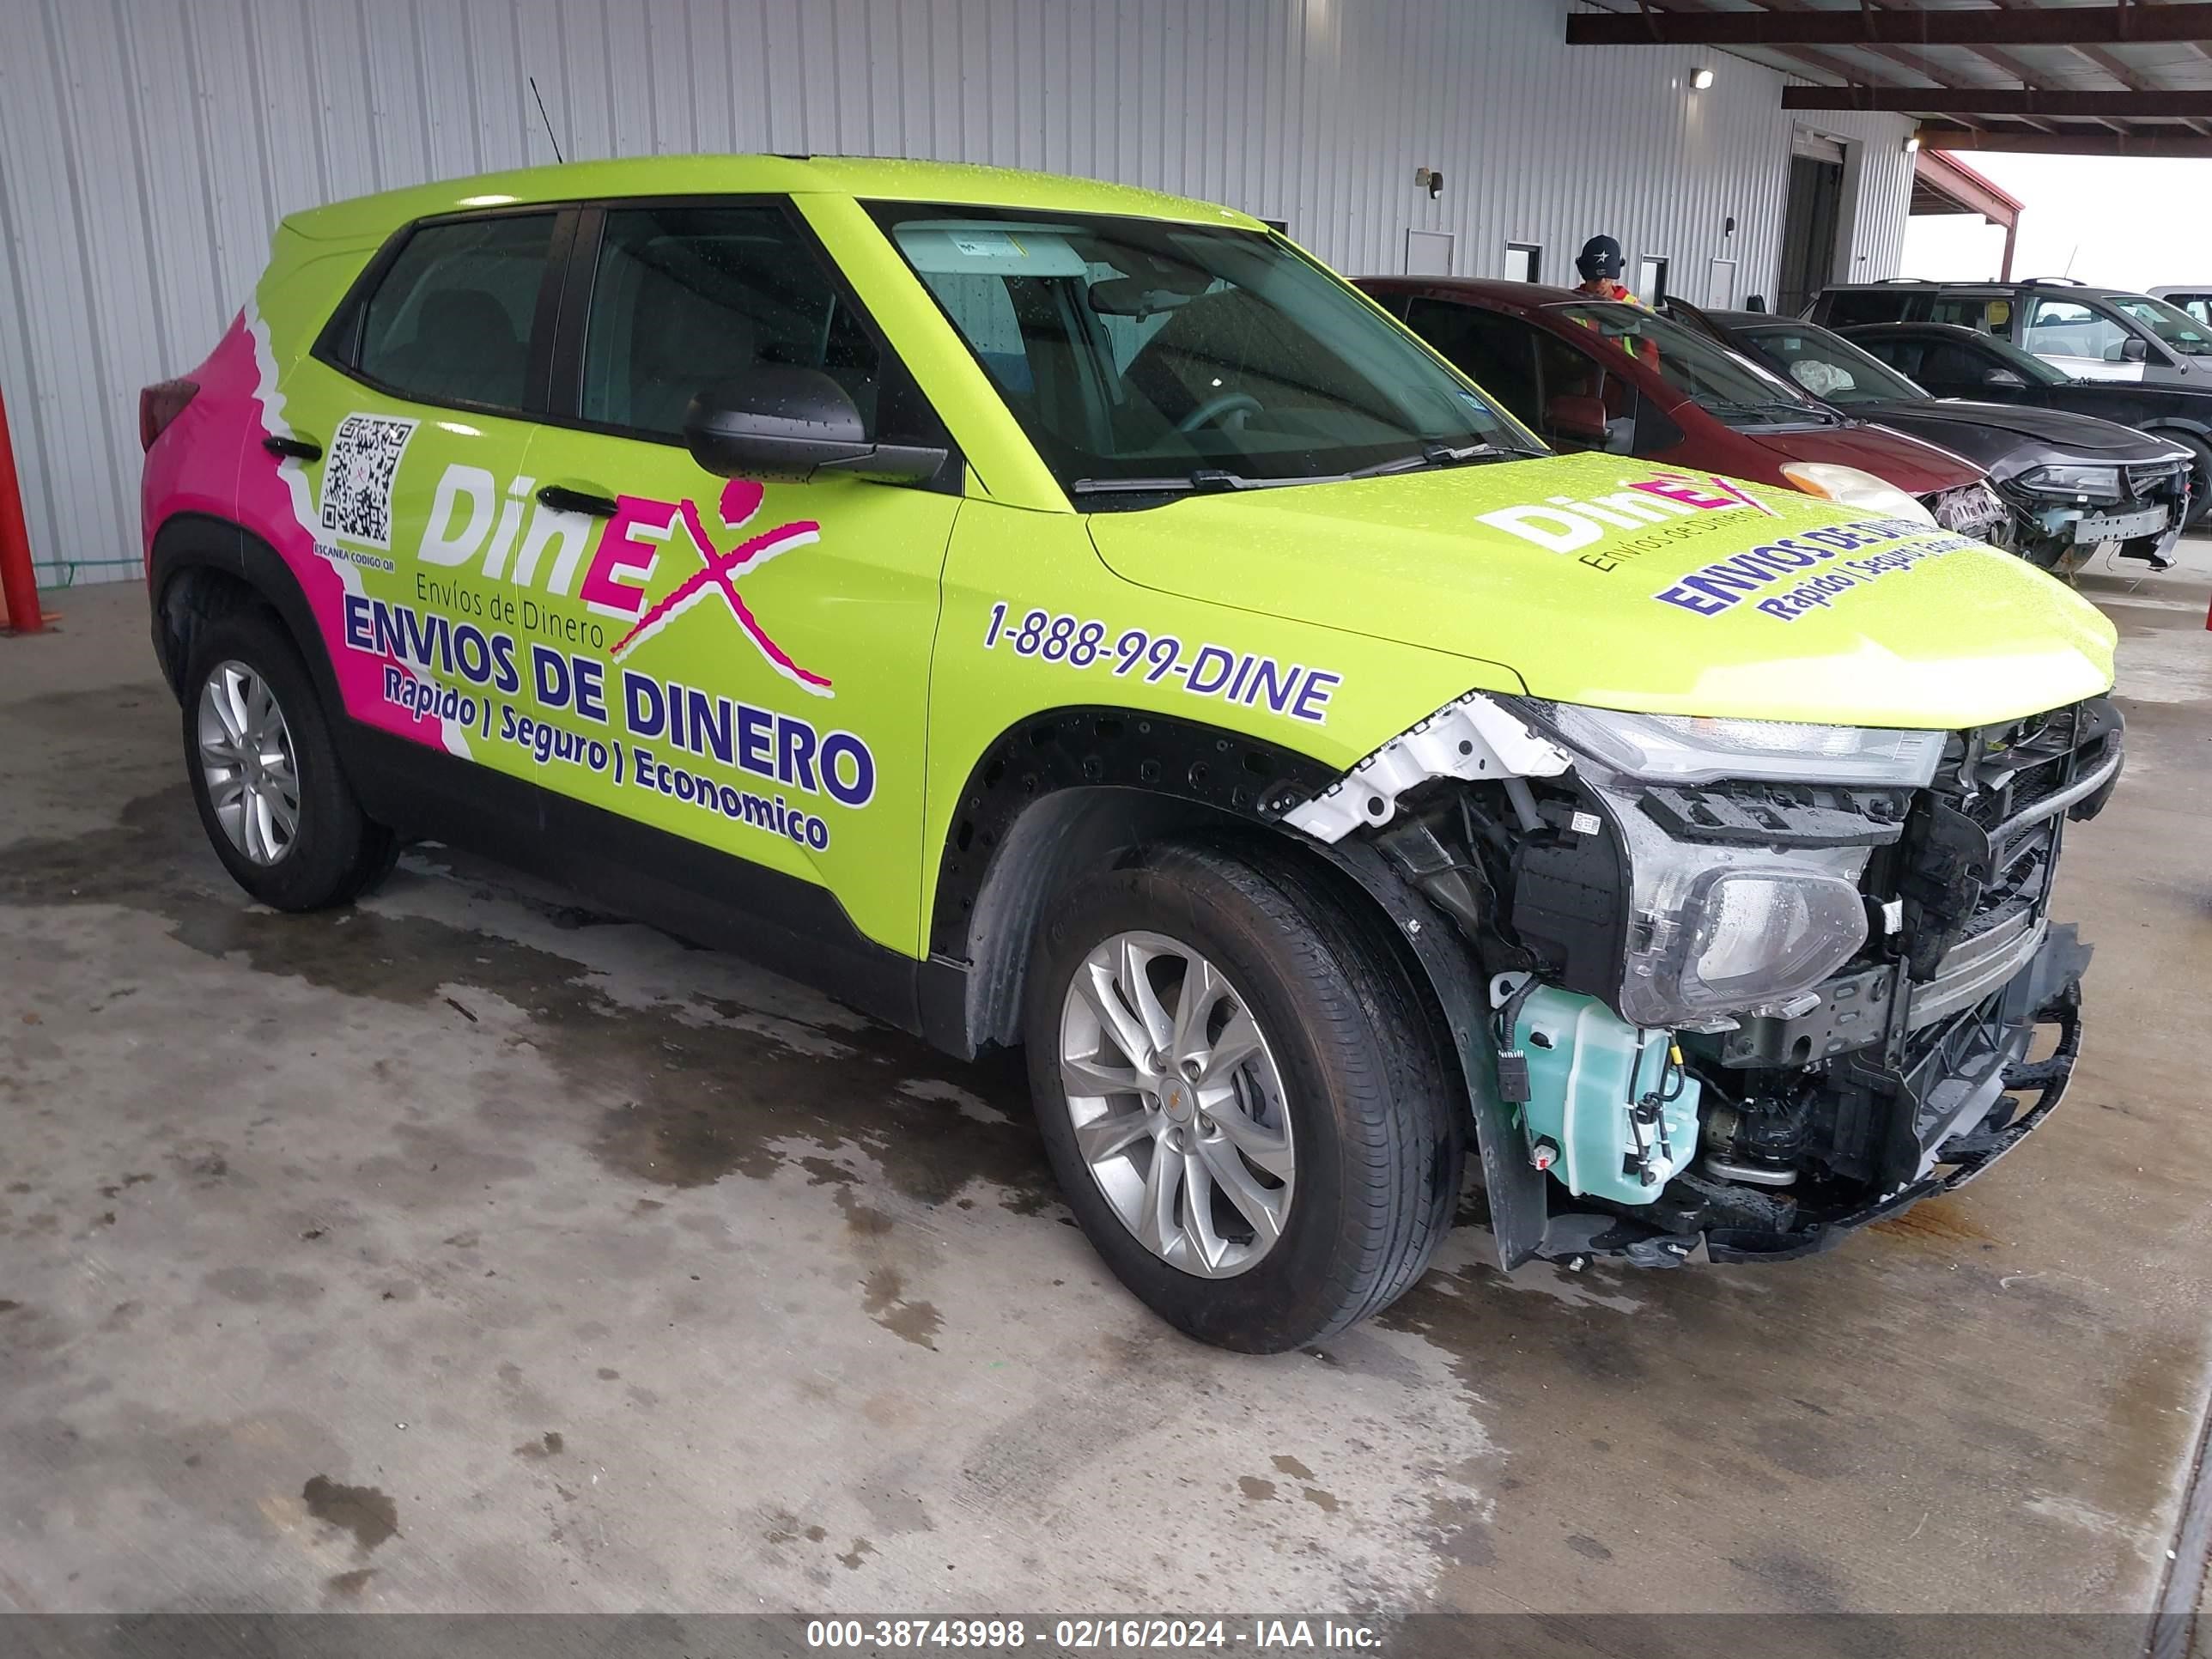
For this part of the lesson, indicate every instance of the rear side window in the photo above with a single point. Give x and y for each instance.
(1983, 313)
(450, 322)
(1904, 355)
(1850, 307)
(686, 297)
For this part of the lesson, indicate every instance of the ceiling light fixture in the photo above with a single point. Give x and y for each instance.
(1700, 79)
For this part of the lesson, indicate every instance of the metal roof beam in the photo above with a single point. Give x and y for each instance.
(2056, 26)
(2020, 101)
(2067, 143)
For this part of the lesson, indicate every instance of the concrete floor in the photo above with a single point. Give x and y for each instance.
(470, 1251)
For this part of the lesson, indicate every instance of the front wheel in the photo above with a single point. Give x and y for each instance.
(1242, 1096)
(275, 805)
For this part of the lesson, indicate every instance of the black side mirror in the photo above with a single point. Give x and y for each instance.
(2135, 349)
(783, 424)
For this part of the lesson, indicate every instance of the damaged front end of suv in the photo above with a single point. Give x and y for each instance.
(1743, 986)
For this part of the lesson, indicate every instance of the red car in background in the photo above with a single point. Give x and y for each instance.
(1602, 374)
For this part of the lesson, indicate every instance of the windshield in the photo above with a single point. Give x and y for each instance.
(1830, 367)
(2170, 323)
(1142, 354)
(1728, 385)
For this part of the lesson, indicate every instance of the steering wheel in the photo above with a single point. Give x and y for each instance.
(1215, 409)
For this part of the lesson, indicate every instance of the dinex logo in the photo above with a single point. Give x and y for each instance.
(470, 517)
(1564, 524)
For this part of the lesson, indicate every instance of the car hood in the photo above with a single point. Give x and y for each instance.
(1914, 466)
(1702, 597)
(2020, 436)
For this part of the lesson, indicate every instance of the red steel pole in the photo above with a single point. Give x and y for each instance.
(18, 586)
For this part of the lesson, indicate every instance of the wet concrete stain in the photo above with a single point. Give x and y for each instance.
(1800, 1582)
(1292, 1466)
(786, 1528)
(1326, 1502)
(1583, 1544)
(349, 1584)
(692, 1104)
(548, 1445)
(370, 1516)
(1255, 1488)
(860, 1551)
(1933, 1221)
(884, 1299)
(1457, 1532)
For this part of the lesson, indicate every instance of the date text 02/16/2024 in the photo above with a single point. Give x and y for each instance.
(1210, 671)
(990, 1636)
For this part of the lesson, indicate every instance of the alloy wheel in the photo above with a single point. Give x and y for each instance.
(1177, 1104)
(245, 758)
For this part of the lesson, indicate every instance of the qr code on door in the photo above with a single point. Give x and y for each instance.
(364, 458)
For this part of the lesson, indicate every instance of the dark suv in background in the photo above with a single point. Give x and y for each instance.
(2077, 486)
(2090, 333)
(1956, 361)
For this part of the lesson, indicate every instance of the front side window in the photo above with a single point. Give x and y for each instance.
(1583, 401)
(450, 322)
(2067, 328)
(1832, 369)
(1732, 388)
(1140, 352)
(1497, 352)
(1990, 353)
(2173, 325)
(685, 298)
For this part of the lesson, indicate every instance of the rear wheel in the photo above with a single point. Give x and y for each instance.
(275, 803)
(1241, 1095)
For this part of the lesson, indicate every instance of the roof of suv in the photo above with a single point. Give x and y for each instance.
(2059, 284)
(873, 177)
(1521, 298)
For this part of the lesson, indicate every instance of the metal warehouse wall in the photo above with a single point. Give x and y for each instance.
(148, 148)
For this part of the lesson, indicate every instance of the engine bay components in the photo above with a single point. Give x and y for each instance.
(1610, 1111)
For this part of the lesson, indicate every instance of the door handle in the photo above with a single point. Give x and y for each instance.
(294, 448)
(561, 499)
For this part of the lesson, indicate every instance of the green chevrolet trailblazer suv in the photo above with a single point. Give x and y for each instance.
(1052, 613)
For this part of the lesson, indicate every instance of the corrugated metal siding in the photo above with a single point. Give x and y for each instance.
(148, 148)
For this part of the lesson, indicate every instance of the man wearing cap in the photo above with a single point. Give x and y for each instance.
(1599, 265)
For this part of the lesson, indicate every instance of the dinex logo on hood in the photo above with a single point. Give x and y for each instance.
(1564, 525)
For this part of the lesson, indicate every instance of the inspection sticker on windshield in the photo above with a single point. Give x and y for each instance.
(986, 244)
(1206, 670)
(1795, 574)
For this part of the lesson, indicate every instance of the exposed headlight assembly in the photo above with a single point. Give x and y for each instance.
(1716, 930)
(1847, 486)
(2081, 484)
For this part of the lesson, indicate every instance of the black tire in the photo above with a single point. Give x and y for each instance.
(1377, 1128)
(337, 852)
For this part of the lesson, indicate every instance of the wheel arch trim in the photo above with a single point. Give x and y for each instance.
(189, 541)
